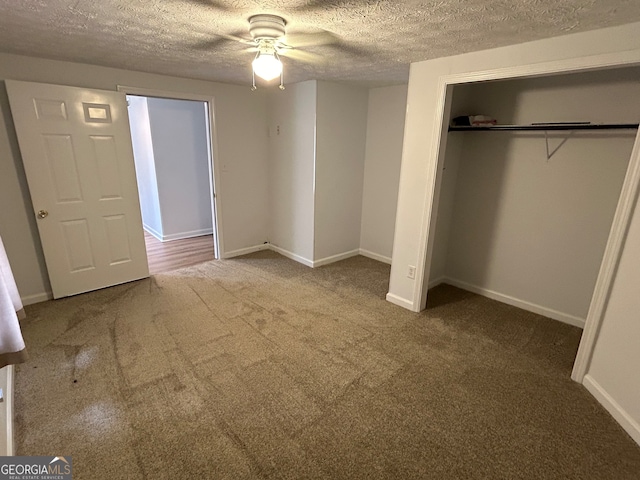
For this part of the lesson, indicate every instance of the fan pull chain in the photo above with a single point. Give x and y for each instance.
(253, 77)
(281, 87)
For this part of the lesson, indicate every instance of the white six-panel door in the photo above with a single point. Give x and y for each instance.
(76, 149)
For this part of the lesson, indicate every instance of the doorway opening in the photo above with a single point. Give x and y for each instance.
(172, 148)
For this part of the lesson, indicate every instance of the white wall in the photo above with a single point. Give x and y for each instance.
(239, 112)
(341, 124)
(529, 228)
(181, 155)
(439, 265)
(292, 116)
(613, 373)
(449, 175)
(385, 129)
(145, 165)
(317, 149)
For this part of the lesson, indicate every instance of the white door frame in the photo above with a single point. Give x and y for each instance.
(624, 210)
(214, 172)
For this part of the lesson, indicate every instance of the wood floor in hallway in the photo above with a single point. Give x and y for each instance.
(167, 256)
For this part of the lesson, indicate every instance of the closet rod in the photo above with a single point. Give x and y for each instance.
(549, 127)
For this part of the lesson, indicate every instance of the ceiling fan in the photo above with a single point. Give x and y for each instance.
(269, 41)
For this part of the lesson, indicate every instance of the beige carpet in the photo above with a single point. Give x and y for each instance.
(261, 368)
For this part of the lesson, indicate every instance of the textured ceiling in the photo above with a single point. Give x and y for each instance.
(378, 38)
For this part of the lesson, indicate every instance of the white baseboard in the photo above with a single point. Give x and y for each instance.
(375, 256)
(436, 282)
(401, 302)
(291, 255)
(36, 298)
(516, 302)
(7, 445)
(617, 412)
(179, 235)
(183, 235)
(246, 251)
(335, 258)
(152, 231)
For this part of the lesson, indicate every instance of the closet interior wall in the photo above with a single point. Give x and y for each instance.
(517, 226)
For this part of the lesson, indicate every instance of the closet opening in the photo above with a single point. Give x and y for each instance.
(525, 216)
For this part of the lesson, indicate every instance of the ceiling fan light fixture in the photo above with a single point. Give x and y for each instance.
(267, 65)
(267, 32)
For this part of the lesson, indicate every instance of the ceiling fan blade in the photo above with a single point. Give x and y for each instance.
(353, 50)
(309, 39)
(210, 44)
(235, 36)
(311, 5)
(220, 38)
(302, 56)
(212, 4)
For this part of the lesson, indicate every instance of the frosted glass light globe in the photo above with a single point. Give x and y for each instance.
(267, 66)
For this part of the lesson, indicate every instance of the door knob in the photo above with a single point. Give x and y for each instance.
(42, 214)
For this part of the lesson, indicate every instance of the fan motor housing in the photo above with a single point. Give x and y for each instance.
(266, 26)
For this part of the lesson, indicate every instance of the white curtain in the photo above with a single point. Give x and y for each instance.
(12, 348)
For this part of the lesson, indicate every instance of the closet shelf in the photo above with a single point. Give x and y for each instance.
(548, 127)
